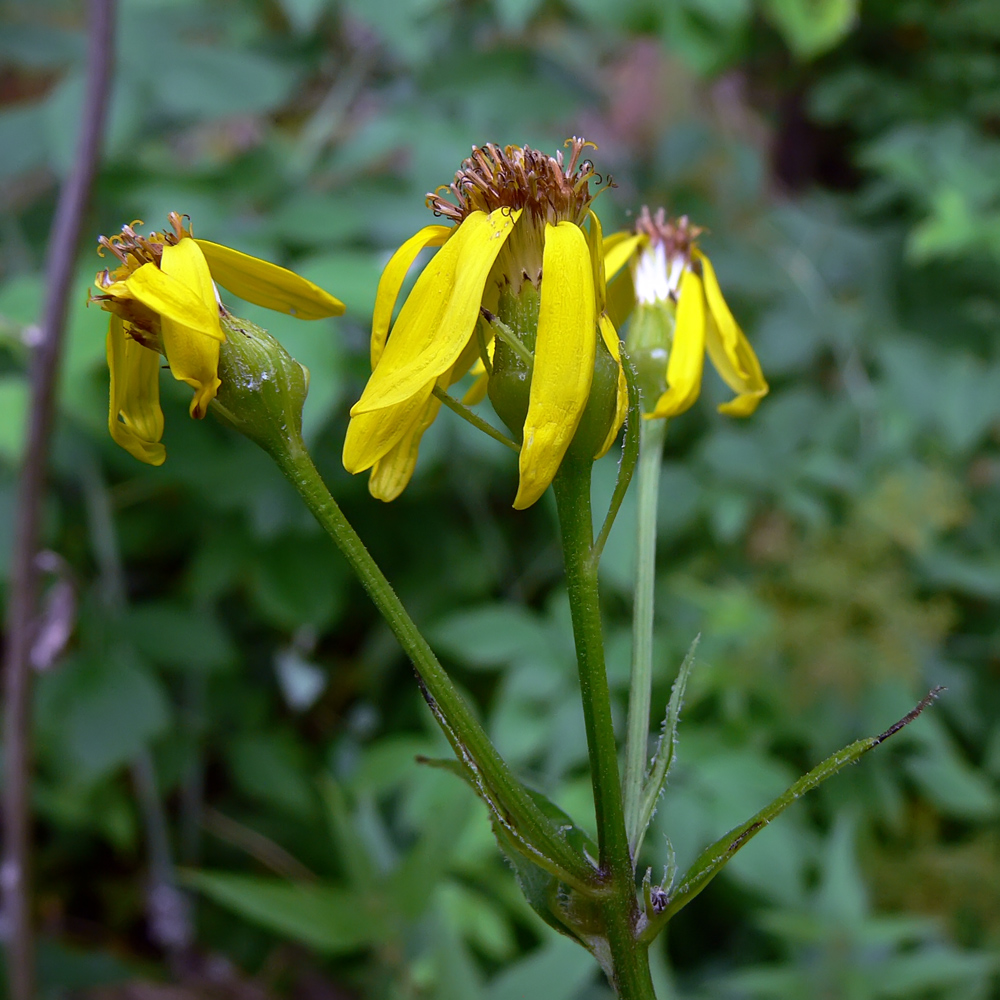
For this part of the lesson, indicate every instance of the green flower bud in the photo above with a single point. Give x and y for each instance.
(650, 334)
(263, 387)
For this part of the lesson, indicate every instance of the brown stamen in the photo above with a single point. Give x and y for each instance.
(677, 235)
(134, 249)
(519, 177)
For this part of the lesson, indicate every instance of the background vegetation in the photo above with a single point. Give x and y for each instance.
(226, 750)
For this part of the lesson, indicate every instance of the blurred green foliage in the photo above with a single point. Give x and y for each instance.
(837, 552)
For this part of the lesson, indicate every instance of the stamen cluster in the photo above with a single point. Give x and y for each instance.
(134, 250)
(676, 236)
(551, 188)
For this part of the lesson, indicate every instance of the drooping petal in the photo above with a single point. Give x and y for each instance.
(193, 359)
(564, 359)
(393, 471)
(392, 280)
(729, 330)
(267, 284)
(477, 391)
(169, 297)
(610, 337)
(687, 353)
(595, 240)
(193, 351)
(750, 391)
(371, 435)
(730, 351)
(440, 314)
(621, 298)
(618, 249)
(135, 419)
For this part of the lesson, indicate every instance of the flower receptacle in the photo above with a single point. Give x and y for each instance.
(510, 383)
(263, 387)
(650, 336)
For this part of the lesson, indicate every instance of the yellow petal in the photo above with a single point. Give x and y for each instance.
(621, 298)
(687, 353)
(730, 351)
(135, 419)
(477, 391)
(564, 359)
(618, 249)
(168, 297)
(393, 471)
(440, 314)
(729, 330)
(595, 240)
(193, 351)
(750, 391)
(267, 284)
(610, 337)
(371, 435)
(392, 280)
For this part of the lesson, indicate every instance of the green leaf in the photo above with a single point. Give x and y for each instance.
(178, 636)
(14, 398)
(490, 636)
(298, 581)
(326, 917)
(557, 971)
(106, 710)
(270, 768)
(663, 758)
(353, 277)
(715, 857)
(812, 27)
(215, 82)
(22, 138)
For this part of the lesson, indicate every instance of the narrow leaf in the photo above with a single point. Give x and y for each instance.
(714, 858)
(325, 917)
(663, 759)
(630, 455)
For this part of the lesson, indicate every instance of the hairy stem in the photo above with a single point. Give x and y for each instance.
(628, 957)
(651, 440)
(506, 797)
(15, 874)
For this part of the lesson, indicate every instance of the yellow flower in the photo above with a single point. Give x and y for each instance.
(668, 271)
(516, 215)
(163, 300)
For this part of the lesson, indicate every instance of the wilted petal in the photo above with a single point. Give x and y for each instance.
(193, 351)
(610, 337)
(371, 435)
(730, 351)
(687, 353)
(392, 281)
(564, 359)
(169, 297)
(440, 314)
(618, 250)
(267, 284)
(729, 330)
(393, 471)
(750, 391)
(135, 419)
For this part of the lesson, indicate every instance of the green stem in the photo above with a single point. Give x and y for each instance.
(506, 797)
(507, 335)
(629, 959)
(651, 439)
(466, 414)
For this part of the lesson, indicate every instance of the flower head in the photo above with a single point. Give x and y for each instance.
(516, 288)
(163, 300)
(680, 313)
